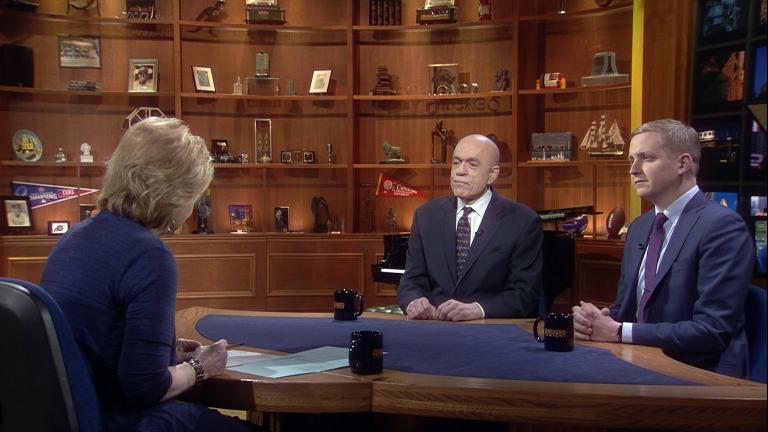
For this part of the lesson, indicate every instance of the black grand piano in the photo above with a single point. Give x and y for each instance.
(559, 250)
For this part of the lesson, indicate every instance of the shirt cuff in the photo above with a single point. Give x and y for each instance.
(626, 333)
(482, 311)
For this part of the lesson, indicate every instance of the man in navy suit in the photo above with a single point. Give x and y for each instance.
(475, 254)
(687, 263)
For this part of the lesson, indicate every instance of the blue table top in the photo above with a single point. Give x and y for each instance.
(501, 351)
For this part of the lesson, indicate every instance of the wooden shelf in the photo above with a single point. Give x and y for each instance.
(563, 164)
(474, 25)
(586, 13)
(188, 95)
(447, 165)
(261, 27)
(592, 89)
(267, 166)
(87, 20)
(87, 93)
(459, 96)
(52, 164)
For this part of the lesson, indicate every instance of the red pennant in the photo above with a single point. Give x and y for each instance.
(390, 186)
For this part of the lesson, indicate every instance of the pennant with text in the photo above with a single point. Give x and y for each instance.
(41, 195)
(390, 186)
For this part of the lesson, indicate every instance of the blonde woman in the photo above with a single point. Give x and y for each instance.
(115, 279)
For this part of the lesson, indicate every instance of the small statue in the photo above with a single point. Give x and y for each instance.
(237, 87)
(60, 156)
(211, 13)
(392, 153)
(391, 220)
(321, 214)
(502, 80)
(439, 149)
(331, 154)
(85, 150)
(203, 210)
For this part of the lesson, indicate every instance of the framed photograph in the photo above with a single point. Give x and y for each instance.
(240, 218)
(87, 210)
(58, 227)
(758, 205)
(142, 75)
(719, 79)
(281, 219)
(320, 81)
(443, 79)
(722, 20)
(18, 214)
(79, 51)
(262, 132)
(759, 74)
(203, 79)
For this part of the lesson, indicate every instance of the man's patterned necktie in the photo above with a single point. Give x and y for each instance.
(651, 262)
(463, 237)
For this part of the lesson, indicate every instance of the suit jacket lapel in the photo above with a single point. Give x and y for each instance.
(489, 225)
(687, 220)
(448, 226)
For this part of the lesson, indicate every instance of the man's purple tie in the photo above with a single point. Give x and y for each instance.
(651, 262)
(463, 237)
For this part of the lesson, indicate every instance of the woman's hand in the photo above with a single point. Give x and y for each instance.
(186, 349)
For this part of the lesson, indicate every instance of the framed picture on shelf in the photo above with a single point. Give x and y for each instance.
(719, 79)
(87, 210)
(281, 219)
(443, 79)
(79, 51)
(203, 79)
(758, 205)
(320, 81)
(722, 20)
(140, 9)
(18, 215)
(725, 198)
(142, 75)
(240, 218)
(58, 227)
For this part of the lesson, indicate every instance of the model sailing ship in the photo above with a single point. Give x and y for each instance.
(602, 140)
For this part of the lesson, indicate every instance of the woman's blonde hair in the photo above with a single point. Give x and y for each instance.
(158, 168)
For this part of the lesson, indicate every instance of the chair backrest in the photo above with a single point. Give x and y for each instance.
(756, 327)
(45, 384)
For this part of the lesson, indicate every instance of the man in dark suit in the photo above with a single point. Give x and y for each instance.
(475, 254)
(687, 263)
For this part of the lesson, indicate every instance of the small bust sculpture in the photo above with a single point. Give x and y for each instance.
(85, 153)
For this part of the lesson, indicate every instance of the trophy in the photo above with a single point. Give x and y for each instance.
(203, 210)
(263, 135)
(60, 156)
(262, 64)
(439, 147)
(263, 12)
(437, 12)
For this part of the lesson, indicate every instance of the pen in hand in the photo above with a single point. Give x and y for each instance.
(235, 345)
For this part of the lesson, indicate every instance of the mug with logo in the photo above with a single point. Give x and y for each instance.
(347, 304)
(366, 352)
(558, 331)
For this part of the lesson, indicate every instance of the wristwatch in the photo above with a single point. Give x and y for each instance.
(199, 371)
(618, 332)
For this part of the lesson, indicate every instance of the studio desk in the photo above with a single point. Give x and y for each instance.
(598, 384)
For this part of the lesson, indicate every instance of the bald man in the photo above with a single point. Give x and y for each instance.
(474, 254)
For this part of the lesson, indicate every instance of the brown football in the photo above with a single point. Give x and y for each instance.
(614, 222)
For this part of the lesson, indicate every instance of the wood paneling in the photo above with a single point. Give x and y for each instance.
(598, 267)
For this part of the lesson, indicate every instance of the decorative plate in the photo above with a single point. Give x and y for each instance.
(27, 146)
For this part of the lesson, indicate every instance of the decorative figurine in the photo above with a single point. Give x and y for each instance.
(602, 140)
(237, 87)
(60, 156)
(439, 148)
(502, 80)
(383, 82)
(321, 214)
(85, 150)
(203, 210)
(331, 154)
(211, 13)
(391, 220)
(392, 153)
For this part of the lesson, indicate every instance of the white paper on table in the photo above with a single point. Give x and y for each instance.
(314, 360)
(238, 357)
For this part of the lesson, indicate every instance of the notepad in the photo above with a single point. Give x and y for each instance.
(314, 360)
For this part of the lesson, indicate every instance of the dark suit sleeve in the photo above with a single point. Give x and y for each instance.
(520, 295)
(415, 281)
(725, 260)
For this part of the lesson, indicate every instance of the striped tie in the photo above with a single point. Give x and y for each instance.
(463, 236)
(651, 262)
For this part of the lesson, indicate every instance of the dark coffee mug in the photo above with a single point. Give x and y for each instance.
(558, 331)
(366, 352)
(347, 304)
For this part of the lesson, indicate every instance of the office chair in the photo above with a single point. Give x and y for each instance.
(45, 384)
(755, 323)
